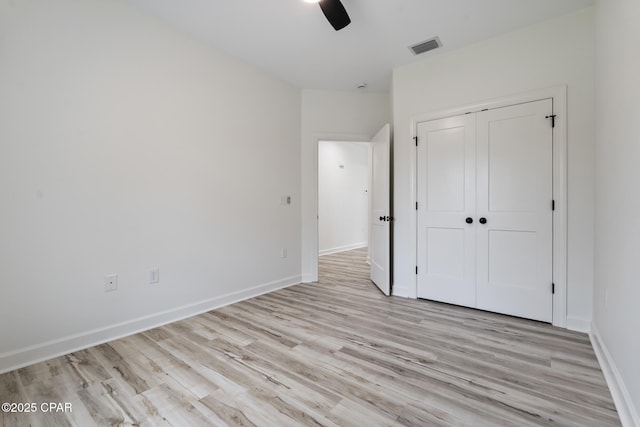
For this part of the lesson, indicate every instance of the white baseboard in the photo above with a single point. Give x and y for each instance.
(624, 405)
(45, 351)
(335, 250)
(309, 278)
(578, 325)
(398, 291)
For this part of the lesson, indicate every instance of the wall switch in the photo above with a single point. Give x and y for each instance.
(283, 253)
(154, 276)
(110, 282)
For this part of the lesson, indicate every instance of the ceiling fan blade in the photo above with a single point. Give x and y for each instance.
(336, 13)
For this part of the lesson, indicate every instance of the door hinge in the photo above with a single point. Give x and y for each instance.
(415, 138)
(416, 205)
(553, 205)
(416, 269)
(553, 288)
(553, 119)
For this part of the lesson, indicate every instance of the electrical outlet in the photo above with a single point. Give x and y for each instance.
(154, 276)
(110, 282)
(283, 253)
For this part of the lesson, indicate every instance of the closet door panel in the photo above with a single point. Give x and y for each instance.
(514, 172)
(446, 198)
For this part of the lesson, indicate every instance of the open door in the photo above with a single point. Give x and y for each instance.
(379, 246)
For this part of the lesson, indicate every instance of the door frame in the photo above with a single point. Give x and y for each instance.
(315, 196)
(559, 246)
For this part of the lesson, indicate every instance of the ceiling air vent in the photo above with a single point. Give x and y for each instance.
(426, 46)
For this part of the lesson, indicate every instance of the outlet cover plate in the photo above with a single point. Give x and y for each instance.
(110, 282)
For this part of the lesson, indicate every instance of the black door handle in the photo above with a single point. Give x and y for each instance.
(483, 220)
(386, 218)
(469, 220)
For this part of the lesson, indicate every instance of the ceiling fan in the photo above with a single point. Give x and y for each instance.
(335, 13)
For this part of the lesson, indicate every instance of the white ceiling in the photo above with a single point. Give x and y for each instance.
(292, 40)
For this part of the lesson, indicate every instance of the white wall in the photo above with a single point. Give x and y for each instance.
(331, 115)
(617, 200)
(126, 146)
(343, 181)
(556, 52)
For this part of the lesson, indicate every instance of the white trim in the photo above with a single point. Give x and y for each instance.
(315, 250)
(308, 278)
(624, 405)
(342, 248)
(48, 350)
(401, 291)
(578, 325)
(559, 96)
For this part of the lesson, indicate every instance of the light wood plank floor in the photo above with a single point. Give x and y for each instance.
(337, 353)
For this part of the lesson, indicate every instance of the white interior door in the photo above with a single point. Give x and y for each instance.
(379, 245)
(446, 198)
(484, 193)
(514, 149)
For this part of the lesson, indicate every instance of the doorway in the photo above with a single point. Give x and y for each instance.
(378, 223)
(344, 177)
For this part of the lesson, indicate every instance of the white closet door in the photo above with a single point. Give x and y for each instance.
(514, 195)
(446, 197)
